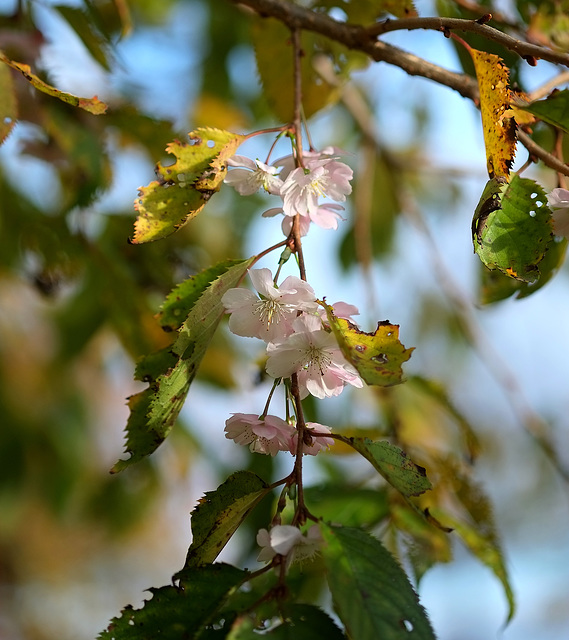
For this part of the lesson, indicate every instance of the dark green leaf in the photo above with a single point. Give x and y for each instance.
(176, 612)
(347, 505)
(170, 372)
(83, 26)
(220, 513)
(372, 595)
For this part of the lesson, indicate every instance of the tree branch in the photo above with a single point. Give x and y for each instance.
(523, 49)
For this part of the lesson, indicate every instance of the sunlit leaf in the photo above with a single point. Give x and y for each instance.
(554, 109)
(176, 612)
(512, 228)
(171, 371)
(220, 512)
(376, 356)
(497, 120)
(371, 593)
(92, 105)
(184, 187)
(8, 103)
(393, 464)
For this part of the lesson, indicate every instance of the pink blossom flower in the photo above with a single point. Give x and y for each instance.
(251, 175)
(325, 216)
(319, 440)
(271, 315)
(341, 310)
(287, 164)
(303, 186)
(314, 355)
(269, 435)
(558, 200)
(286, 540)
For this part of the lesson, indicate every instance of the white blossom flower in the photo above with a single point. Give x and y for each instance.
(319, 440)
(313, 354)
(271, 315)
(286, 540)
(558, 200)
(288, 163)
(251, 175)
(269, 435)
(304, 185)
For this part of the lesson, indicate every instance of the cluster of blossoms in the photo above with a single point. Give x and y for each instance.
(299, 189)
(298, 341)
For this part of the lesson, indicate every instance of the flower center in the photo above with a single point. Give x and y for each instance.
(269, 311)
(317, 361)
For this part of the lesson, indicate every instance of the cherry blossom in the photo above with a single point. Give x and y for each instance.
(558, 200)
(319, 441)
(269, 435)
(288, 163)
(325, 216)
(314, 355)
(251, 175)
(270, 316)
(304, 185)
(286, 540)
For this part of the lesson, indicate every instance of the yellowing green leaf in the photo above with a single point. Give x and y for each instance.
(92, 105)
(497, 119)
(376, 356)
(184, 187)
(554, 109)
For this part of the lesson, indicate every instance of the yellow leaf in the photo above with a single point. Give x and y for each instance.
(92, 105)
(377, 356)
(497, 118)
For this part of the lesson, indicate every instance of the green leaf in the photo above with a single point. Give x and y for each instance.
(176, 612)
(306, 622)
(376, 356)
(171, 371)
(92, 105)
(219, 514)
(184, 187)
(393, 464)
(85, 30)
(183, 297)
(554, 109)
(8, 103)
(372, 595)
(512, 228)
(495, 286)
(347, 505)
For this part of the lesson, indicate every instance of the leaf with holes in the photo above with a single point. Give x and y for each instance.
(376, 356)
(513, 230)
(184, 187)
(497, 118)
(8, 103)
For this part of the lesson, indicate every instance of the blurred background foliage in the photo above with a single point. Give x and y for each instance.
(77, 301)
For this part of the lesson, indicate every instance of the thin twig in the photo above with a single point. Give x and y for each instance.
(539, 152)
